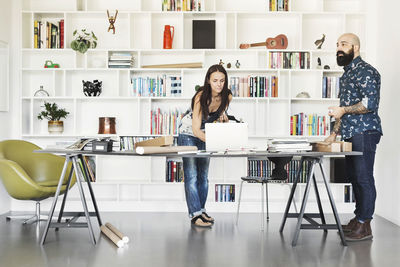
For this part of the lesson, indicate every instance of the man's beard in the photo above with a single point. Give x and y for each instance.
(344, 59)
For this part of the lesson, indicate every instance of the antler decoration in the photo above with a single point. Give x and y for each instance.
(112, 20)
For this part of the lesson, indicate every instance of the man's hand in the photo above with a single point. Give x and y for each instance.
(336, 112)
(331, 138)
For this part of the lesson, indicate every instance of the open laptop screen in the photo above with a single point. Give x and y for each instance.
(223, 136)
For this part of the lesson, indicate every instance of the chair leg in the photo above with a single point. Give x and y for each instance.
(36, 217)
(262, 206)
(266, 199)
(240, 197)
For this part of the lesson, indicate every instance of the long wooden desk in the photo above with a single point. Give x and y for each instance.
(314, 157)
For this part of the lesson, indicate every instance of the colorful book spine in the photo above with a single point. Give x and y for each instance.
(309, 125)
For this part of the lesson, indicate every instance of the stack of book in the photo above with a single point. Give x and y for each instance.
(288, 145)
(120, 60)
(48, 34)
(160, 86)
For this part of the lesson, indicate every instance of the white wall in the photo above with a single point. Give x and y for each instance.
(6, 117)
(387, 168)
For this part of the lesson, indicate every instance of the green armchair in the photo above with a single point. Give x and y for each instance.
(30, 176)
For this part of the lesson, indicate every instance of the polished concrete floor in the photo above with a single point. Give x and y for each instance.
(168, 239)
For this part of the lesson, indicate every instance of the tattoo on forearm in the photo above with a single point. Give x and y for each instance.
(356, 109)
(336, 127)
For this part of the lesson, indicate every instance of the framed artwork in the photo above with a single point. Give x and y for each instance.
(4, 76)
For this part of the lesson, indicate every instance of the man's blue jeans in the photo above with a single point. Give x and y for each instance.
(361, 173)
(195, 176)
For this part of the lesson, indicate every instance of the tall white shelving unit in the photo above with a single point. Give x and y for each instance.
(139, 183)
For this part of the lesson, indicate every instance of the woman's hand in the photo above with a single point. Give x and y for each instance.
(223, 118)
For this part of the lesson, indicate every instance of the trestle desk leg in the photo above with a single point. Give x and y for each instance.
(240, 197)
(321, 212)
(53, 205)
(303, 204)
(335, 213)
(79, 178)
(65, 195)
(296, 179)
(89, 183)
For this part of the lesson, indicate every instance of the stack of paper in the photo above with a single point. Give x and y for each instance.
(288, 145)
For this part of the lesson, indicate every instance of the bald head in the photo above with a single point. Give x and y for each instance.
(347, 42)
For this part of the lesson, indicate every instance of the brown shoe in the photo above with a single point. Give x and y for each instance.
(361, 231)
(207, 217)
(200, 221)
(348, 227)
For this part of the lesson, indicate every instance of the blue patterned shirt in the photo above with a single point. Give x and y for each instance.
(360, 82)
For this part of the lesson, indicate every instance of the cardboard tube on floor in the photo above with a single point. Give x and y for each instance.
(117, 232)
(113, 237)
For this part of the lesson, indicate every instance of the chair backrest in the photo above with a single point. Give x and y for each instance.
(36, 165)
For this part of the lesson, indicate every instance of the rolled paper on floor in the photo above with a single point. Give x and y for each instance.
(117, 232)
(163, 149)
(113, 237)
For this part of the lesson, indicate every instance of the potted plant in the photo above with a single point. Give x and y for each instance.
(83, 41)
(53, 114)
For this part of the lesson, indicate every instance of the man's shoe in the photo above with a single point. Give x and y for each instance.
(348, 227)
(360, 232)
(207, 217)
(200, 221)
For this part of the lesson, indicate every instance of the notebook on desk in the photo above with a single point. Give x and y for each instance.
(226, 136)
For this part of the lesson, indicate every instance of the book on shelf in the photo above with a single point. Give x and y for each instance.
(254, 86)
(48, 33)
(161, 85)
(120, 60)
(330, 87)
(182, 5)
(289, 60)
(203, 34)
(174, 171)
(278, 5)
(165, 122)
(309, 124)
(91, 167)
(225, 193)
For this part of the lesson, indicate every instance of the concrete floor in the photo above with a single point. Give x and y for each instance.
(168, 239)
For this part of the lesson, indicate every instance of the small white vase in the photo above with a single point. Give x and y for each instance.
(56, 127)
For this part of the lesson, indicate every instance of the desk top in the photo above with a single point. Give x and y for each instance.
(245, 154)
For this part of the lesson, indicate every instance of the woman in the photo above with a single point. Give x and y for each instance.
(208, 105)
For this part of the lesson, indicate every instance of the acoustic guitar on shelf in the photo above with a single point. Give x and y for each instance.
(279, 42)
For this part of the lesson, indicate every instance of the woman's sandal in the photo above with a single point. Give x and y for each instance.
(200, 221)
(207, 217)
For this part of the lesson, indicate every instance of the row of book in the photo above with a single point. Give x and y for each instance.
(263, 168)
(162, 85)
(309, 124)
(165, 122)
(128, 143)
(330, 87)
(254, 86)
(289, 60)
(48, 34)
(182, 5)
(120, 60)
(349, 194)
(174, 171)
(225, 193)
(90, 164)
(278, 5)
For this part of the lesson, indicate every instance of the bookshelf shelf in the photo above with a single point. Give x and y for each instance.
(139, 30)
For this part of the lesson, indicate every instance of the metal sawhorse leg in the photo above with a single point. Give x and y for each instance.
(79, 179)
(313, 225)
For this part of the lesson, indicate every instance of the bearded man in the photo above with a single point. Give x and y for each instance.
(358, 122)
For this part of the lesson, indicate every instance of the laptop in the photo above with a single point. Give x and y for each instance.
(226, 136)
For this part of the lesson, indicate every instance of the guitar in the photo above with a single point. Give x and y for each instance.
(279, 42)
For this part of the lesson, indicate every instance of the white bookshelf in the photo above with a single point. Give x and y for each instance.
(139, 31)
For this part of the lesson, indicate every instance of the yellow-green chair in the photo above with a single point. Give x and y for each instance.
(27, 175)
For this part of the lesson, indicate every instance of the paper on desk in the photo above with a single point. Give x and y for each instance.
(160, 149)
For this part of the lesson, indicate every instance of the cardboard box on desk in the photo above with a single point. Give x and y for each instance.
(332, 147)
(159, 141)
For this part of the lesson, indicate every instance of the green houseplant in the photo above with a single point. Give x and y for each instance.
(53, 114)
(83, 41)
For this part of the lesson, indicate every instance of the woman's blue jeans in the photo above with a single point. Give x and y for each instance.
(195, 176)
(361, 173)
